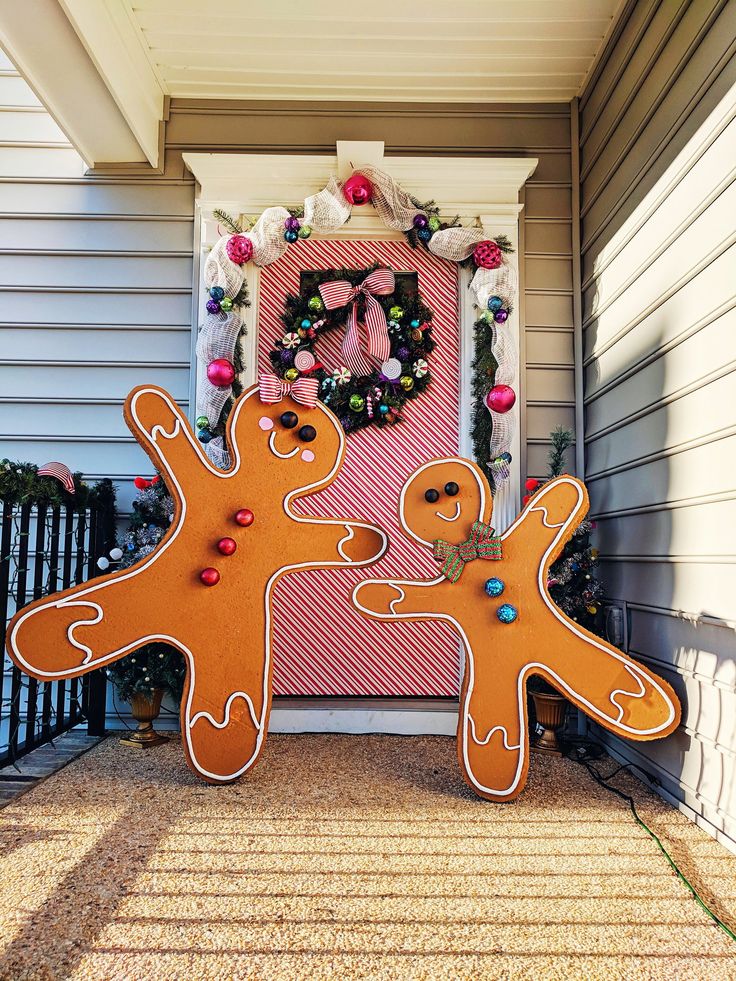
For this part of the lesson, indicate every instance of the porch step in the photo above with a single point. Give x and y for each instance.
(41, 763)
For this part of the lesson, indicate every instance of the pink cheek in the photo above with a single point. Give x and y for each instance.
(265, 423)
(307, 456)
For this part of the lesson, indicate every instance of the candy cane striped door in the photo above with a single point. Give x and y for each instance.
(322, 645)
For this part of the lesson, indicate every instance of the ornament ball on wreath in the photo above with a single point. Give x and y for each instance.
(386, 332)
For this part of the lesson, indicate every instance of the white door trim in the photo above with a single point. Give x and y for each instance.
(480, 190)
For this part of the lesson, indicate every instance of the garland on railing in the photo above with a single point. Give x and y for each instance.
(265, 240)
(20, 483)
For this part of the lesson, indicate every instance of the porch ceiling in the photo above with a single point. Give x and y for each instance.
(397, 50)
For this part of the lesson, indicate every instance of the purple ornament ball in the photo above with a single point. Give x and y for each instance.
(292, 224)
(420, 221)
(403, 354)
(501, 316)
(213, 306)
(286, 357)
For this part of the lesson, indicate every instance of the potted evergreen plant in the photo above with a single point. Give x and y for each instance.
(573, 586)
(145, 676)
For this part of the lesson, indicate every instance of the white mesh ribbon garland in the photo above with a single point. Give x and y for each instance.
(456, 243)
(267, 236)
(328, 208)
(393, 204)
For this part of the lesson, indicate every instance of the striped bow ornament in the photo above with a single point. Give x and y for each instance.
(272, 389)
(60, 472)
(375, 344)
(482, 544)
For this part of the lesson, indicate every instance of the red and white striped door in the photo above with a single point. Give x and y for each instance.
(322, 646)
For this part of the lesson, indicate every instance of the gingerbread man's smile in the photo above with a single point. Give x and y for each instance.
(453, 517)
(289, 420)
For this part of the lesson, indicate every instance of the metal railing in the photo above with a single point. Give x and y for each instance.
(45, 548)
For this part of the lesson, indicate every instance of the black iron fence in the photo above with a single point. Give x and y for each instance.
(44, 548)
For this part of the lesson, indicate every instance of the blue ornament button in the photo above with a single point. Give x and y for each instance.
(507, 613)
(494, 587)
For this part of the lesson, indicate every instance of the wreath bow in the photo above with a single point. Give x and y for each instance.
(376, 344)
(482, 544)
(272, 389)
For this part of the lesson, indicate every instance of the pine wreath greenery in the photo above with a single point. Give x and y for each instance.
(20, 484)
(365, 400)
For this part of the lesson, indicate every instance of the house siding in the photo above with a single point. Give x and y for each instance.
(658, 256)
(96, 284)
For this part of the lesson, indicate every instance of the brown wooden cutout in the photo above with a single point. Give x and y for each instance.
(224, 631)
(492, 736)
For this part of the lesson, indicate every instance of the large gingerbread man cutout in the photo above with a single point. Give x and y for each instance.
(207, 587)
(445, 506)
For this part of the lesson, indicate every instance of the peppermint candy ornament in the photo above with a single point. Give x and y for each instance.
(341, 375)
(304, 360)
(420, 368)
(291, 340)
(391, 369)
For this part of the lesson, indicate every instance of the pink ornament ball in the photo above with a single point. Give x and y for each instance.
(358, 189)
(221, 372)
(239, 249)
(487, 255)
(501, 398)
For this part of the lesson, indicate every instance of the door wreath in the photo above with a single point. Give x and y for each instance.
(386, 341)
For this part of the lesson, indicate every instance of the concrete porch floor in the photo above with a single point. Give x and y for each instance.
(350, 857)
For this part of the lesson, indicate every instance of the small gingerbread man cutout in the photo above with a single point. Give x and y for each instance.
(494, 591)
(207, 587)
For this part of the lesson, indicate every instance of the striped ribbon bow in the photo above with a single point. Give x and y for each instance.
(376, 345)
(482, 544)
(272, 389)
(61, 472)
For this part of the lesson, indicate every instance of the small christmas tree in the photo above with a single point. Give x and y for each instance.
(154, 665)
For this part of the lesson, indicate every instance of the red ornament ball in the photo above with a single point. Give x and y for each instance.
(487, 255)
(358, 189)
(239, 249)
(525, 499)
(531, 485)
(209, 577)
(221, 372)
(501, 398)
(226, 546)
(244, 517)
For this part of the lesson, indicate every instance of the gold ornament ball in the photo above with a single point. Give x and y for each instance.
(356, 403)
(406, 383)
(291, 374)
(315, 304)
(396, 313)
(226, 304)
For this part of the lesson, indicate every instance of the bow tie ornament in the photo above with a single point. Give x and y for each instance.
(272, 389)
(482, 544)
(375, 342)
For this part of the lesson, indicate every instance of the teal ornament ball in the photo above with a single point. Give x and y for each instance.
(494, 586)
(507, 613)
(306, 323)
(217, 293)
(414, 324)
(290, 235)
(315, 304)
(383, 409)
(424, 234)
(396, 312)
(203, 422)
(494, 303)
(204, 436)
(305, 231)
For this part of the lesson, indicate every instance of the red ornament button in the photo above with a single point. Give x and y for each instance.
(226, 546)
(244, 517)
(209, 577)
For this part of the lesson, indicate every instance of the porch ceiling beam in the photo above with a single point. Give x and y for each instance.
(113, 43)
(43, 44)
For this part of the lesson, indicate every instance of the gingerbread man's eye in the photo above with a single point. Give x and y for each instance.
(451, 488)
(289, 420)
(432, 495)
(307, 434)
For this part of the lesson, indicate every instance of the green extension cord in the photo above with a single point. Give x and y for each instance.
(585, 752)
